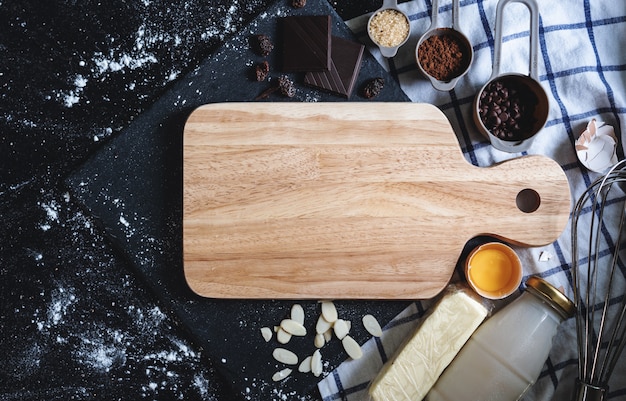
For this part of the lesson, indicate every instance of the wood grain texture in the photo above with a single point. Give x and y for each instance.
(346, 200)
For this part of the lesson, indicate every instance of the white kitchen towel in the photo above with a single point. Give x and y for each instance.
(582, 68)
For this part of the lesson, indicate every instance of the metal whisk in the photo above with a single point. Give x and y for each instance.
(599, 273)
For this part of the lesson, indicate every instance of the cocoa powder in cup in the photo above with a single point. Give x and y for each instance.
(443, 55)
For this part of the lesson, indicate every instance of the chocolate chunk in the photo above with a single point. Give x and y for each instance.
(264, 45)
(344, 68)
(373, 87)
(298, 3)
(286, 86)
(307, 43)
(262, 70)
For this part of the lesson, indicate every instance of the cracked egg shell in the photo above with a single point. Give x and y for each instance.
(596, 146)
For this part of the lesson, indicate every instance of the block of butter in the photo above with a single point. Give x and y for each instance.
(417, 365)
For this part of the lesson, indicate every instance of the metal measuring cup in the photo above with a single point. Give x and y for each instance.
(455, 31)
(388, 51)
(529, 82)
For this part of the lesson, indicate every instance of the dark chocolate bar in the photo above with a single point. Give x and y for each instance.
(344, 68)
(307, 43)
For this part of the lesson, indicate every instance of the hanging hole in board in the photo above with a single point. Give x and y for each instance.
(528, 200)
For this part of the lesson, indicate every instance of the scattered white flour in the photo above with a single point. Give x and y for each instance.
(102, 134)
(180, 101)
(37, 256)
(277, 393)
(101, 354)
(124, 222)
(141, 349)
(52, 210)
(225, 27)
(173, 75)
(112, 62)
(28, 123)
(60, 305)
(54, 206)
(149, 37)
(16, 186)
(202, 384)
(71, 97)
(29, 359)
(148, 320)
(281, 12)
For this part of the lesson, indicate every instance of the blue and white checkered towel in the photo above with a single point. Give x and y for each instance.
(582, 68)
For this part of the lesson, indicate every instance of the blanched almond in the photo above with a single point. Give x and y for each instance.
(353, 349)
(292, 327)
(305, 365)
(282, 336)
(329, 311)
(280, 375)
(322, 325)
(297, 313)
(316, 363)
(372, 326)
(341, 328)
(266, 332)
(319, 340)
(285, 356)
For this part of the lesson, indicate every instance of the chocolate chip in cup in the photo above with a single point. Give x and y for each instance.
(510, 109)
(506, 108)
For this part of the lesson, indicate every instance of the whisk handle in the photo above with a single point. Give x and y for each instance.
(589, 392)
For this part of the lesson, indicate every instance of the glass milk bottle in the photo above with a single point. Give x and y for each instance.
(504, 357)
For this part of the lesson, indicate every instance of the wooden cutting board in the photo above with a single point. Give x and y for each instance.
(347, 200)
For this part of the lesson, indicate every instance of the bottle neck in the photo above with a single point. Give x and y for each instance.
(547, 303)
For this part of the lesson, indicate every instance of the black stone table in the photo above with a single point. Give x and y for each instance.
(93, 96)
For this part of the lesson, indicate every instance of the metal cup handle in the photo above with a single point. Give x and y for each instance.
(534, 37)
(456, 26)
(455, 15)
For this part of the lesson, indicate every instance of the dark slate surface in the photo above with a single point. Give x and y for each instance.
(134, 185)
(92, 303)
